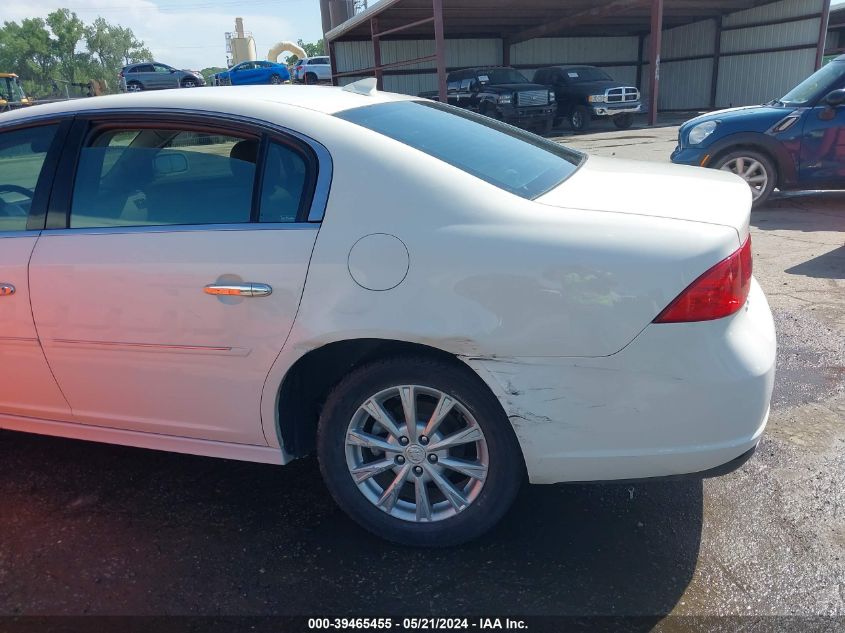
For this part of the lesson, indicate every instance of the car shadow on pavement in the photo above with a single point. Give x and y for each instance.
(806, 211)
(96, 529)
(828, 266)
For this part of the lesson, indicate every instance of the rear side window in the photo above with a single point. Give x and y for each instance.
(150, 177)
(283, 186)
(504, 156)
(22, 156)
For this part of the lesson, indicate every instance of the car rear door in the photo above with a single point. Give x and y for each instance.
(171, 270)
(28, 156)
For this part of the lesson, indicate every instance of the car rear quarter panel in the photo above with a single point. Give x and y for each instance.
(490, 273)
(491, 277)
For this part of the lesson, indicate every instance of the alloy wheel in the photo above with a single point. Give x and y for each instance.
(416, 453)
(751, 171)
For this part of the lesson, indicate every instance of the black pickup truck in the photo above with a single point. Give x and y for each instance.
(501, 93)
(584, 93)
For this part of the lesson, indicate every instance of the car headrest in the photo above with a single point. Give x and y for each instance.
(246, 150)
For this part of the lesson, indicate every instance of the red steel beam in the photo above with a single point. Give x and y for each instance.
(377, 54)
(825, 20)
(405, 27)
(440, 49)
(656, 40)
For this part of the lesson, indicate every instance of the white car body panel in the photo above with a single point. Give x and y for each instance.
(549, 301)
(26, 385)
(127, 309)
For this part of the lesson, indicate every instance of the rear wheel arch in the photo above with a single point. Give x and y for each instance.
(308, 382)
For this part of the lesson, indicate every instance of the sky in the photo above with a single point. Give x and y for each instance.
(189, 33)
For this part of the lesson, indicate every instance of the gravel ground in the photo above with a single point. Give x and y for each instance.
(92, 529)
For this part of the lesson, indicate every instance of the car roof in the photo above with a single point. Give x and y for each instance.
(228, 99)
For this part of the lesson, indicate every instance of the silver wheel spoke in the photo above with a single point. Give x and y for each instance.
(740, 166)
(444, 406)
(466, 436)
(755, 166)
(452, 494)
(470, 469)
(371, 469)
(367, 440)
(381, 416)
(385, 457)
(409, 407)
(757, 179)
(422, 501)
(390, 496)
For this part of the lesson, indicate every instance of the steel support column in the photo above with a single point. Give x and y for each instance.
(717, 54)
(377, 54)
(440, 49)
(333, 63)
(656, 40)
(825, 20)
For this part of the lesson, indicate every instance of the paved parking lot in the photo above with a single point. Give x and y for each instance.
(91, 529)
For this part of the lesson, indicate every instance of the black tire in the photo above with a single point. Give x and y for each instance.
(275, 79)
(580, 119)
(310, 79)
(134, 86)
(505, 472)
(761, 193)
(623, 121)
(188, 82)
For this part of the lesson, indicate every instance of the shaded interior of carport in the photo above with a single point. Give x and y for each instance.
(515, 23)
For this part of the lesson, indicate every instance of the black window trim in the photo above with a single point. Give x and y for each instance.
(312, 203)
(40, 202)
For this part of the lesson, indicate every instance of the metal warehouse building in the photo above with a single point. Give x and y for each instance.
(682, 54)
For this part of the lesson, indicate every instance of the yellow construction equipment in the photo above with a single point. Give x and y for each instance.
(11, 93)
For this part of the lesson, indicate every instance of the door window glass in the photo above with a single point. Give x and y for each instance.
(283, 185)
(150, 177)
(22, 156)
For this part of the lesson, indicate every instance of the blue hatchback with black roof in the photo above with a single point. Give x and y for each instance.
(796, 142)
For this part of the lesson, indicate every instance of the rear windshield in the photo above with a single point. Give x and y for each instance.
(513, 160)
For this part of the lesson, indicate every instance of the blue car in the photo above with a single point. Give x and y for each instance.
(796, 142)
(249, 73)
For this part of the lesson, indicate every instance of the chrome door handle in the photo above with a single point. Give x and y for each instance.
(6, 290)
(239, 290)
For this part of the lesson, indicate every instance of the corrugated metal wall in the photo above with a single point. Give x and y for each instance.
(459, 53)
(687, 52)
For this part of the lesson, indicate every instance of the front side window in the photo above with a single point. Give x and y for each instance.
(160, 68)
(509, 158)
(22, 156)
(148, 177)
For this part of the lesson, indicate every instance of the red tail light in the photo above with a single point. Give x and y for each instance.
(718, 293)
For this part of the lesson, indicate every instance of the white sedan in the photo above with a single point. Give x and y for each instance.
(437, 304)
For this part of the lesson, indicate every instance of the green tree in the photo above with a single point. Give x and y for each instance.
(111, 47)
(26, 49)
(208, 73)
(312, 49)
(67, 30)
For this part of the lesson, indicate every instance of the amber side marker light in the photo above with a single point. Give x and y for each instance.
(718, 293)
